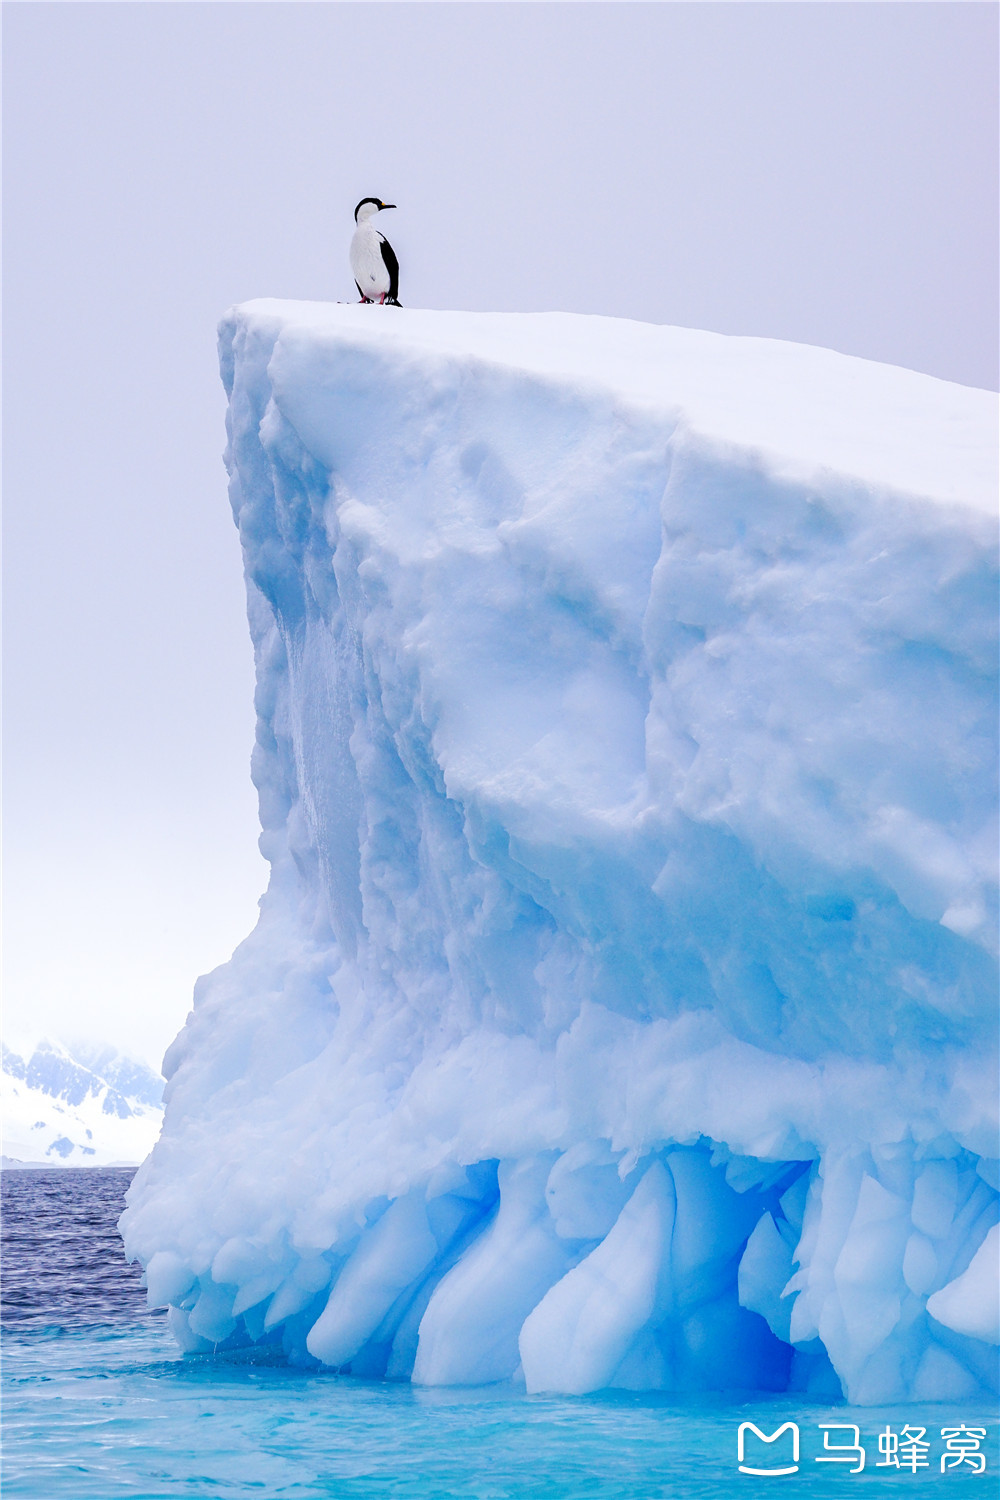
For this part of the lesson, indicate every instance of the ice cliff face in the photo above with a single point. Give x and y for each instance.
(621, 1007)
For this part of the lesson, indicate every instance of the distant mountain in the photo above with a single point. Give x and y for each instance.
(91, 1106)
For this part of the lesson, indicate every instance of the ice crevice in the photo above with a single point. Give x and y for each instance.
(621, 1011)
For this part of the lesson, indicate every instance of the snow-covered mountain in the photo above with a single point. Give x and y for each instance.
(88, 1106)
(622, 1009)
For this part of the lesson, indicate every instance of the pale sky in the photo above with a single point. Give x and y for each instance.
(823, 172)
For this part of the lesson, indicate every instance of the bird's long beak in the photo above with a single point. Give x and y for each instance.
(388, 205)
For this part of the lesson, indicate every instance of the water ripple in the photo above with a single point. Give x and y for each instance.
(100, 1405)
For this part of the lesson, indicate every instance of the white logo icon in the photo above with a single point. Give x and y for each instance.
(746, 1427)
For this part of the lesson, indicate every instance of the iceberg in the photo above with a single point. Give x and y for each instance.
(621, 1011)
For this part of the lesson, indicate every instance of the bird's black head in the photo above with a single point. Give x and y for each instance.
(376, 204)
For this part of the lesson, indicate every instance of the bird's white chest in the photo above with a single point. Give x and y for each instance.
(367, 265)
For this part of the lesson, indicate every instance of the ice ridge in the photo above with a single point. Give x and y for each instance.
(621, 1011)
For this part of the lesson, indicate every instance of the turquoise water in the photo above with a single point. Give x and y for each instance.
(117, 1412)
(104, 1406)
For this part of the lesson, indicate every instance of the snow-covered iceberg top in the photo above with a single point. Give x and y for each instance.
(621, 1009)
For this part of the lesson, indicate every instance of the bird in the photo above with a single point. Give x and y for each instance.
(373, 260)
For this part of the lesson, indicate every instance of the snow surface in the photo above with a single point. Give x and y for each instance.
(621, 1010)
(79, 1106)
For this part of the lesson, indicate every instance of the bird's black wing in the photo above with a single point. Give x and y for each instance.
(392, 266)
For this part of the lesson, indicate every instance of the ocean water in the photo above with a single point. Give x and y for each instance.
(98, 1402)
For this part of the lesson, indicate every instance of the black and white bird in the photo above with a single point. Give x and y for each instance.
(373, 260)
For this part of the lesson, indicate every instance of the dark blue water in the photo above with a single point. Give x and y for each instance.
(98, 1403)
(63, 1263)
